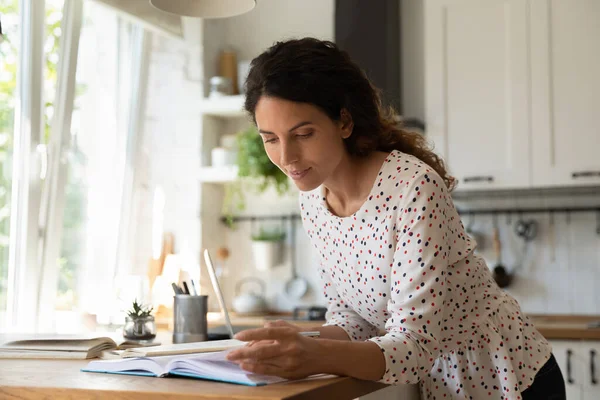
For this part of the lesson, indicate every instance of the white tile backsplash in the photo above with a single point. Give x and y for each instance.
(561, 266)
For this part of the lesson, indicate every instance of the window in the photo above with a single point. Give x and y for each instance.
(96, 161)
(9, 47)
(70, 98)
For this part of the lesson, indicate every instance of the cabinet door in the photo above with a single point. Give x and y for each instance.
(565, 78)
(568, 357)
(591, 384)
(477, 85)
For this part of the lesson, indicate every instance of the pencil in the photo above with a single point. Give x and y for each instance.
(311, 333)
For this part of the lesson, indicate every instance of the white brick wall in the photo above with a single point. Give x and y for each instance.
(171, 146)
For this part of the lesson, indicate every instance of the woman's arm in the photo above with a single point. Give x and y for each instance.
(331, 332)
(340, 358)
(281, 351)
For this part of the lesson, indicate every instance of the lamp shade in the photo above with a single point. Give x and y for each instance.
(205, 8)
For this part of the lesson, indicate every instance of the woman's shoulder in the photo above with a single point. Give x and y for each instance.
(403, 171)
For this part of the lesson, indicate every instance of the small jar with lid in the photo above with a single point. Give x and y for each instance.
(220, 86)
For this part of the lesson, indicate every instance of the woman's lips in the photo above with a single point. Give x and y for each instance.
(299, 174)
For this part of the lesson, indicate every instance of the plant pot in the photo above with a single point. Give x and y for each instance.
(139, 328)
(266, 254)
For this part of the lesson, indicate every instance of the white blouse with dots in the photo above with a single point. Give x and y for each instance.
(401, 272)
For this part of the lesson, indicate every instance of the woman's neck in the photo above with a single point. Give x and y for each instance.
(350, 184)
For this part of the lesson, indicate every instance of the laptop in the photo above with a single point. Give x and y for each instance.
(223, 331)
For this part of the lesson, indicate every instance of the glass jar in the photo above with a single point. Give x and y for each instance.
(139, 328)
(220, 86)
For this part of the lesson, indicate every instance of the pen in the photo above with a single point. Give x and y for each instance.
(194, 287)
(186, 290)
(311, 333)
(176, 288)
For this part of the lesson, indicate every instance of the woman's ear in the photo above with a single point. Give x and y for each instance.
(346, 123)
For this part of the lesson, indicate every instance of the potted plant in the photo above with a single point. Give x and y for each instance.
(139, 323)
(254, 167)
(267, 249)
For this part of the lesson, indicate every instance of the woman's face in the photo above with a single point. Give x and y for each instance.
(301, 140)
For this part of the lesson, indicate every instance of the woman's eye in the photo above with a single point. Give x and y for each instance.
(305, 135)
(270, 140)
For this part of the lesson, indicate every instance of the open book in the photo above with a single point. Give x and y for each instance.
(211, 366)
(175, 349)
(67, 347)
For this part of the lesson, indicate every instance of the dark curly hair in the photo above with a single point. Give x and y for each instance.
(319, 73)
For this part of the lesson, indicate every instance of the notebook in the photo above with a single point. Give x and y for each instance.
(183, 348)
(208, 366)
(65, 347)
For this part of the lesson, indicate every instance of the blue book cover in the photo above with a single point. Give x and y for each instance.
(208, 366)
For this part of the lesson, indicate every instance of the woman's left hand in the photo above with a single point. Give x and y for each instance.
(279, 351)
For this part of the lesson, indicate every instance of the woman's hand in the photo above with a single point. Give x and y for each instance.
(279, 350)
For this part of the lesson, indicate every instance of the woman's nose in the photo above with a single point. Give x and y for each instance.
(289, 154)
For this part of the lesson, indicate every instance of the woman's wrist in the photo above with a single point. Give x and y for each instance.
(329, 332)
(339, 358)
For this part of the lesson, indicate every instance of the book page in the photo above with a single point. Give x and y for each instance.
(215, 366)
(184, 348)
(155, 365)
(58, 344)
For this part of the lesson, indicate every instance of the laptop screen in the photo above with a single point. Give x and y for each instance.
(218, 292)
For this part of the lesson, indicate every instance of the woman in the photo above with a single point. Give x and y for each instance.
(409, 301)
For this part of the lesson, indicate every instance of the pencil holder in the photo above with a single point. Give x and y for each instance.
(189, 314)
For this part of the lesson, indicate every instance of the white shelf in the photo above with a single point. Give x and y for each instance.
(218, 174)
(226, 106)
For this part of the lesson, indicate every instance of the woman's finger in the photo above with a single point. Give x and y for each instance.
(272, 333)
(278, 322)
(264, 369)
(257, 352)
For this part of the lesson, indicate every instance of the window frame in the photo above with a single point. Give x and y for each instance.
(40, 173)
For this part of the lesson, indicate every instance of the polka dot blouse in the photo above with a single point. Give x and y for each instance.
(401, 272)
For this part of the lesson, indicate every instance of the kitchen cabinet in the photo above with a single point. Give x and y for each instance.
(565, 92)
(476, 90)
(512, 91)
(578, 361)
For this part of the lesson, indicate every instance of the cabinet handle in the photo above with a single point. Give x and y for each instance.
(478, 179)
(585, 174)
(593, 367)
(570, 379)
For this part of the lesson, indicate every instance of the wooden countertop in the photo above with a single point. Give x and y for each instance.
(566, 327)
(45, 379)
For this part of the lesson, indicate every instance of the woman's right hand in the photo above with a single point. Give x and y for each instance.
(279, 323)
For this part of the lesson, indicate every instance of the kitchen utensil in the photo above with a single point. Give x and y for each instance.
(222, 256)
(249, 302)
(526, 229)
(228, 68)
(501, 276)
(475, 235)
(297, 286)
(552, 237)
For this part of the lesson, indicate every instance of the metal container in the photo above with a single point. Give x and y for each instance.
(189, 317)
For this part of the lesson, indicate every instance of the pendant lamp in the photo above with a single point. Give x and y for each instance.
(205, 8)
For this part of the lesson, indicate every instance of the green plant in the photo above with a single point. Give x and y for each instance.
(269, 236)
(253, 162)
(139, 311)
(253, 166)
